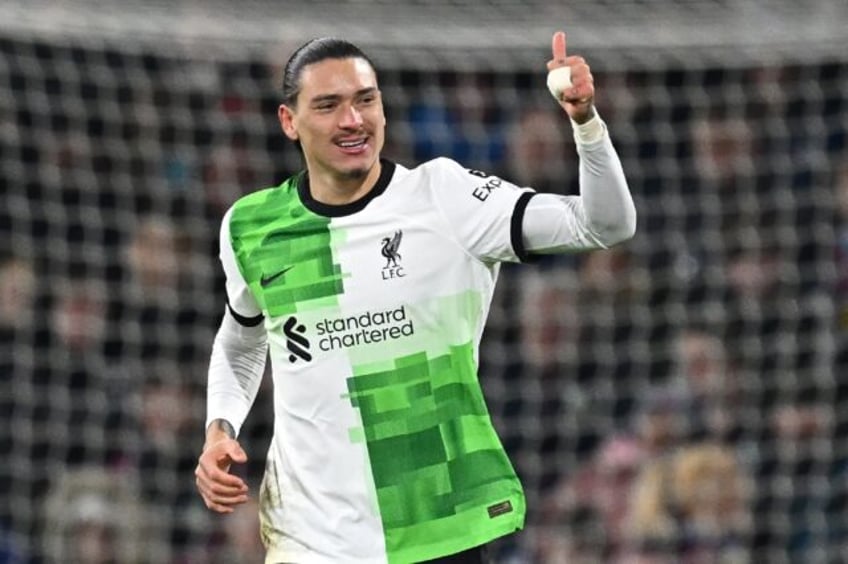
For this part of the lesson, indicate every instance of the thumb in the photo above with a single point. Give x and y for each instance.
(231, 452)
(558, 47)
(236, 453)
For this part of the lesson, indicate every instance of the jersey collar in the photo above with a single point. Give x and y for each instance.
(329, 210)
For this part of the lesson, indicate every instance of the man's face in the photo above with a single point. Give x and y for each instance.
(338, 118)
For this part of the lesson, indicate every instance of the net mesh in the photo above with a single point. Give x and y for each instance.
(679, 397)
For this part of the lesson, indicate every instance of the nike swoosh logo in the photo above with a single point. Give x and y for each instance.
(266, 280)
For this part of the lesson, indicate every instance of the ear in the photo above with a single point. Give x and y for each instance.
(382, 108)
(286, 116)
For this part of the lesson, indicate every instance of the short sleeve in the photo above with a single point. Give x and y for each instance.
(484, 211)
(241, 302)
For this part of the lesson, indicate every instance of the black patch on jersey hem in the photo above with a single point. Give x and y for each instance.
(499, 509)
(243, 320)
(516, 232)
(329, 210)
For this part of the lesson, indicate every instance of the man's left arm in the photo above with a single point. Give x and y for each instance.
(604, 214)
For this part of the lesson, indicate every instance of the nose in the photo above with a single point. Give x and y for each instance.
(351, 118)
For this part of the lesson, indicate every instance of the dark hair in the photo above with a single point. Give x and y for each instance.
(315, 51)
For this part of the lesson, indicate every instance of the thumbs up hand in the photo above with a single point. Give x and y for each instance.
(570, 81)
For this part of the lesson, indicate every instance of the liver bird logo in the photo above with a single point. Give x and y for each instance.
(390, 249)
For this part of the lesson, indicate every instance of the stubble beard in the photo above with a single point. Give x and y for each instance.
(355, 174)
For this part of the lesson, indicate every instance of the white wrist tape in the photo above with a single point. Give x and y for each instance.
(590, 132)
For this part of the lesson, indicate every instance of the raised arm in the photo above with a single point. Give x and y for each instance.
(604, 214)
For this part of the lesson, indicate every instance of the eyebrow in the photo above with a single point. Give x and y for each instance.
(336, 97)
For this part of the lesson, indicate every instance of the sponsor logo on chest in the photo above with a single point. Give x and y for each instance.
(343, 332)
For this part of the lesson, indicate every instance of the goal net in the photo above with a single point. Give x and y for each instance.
(677, 398)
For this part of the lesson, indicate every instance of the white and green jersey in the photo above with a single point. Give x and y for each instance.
(383, 449)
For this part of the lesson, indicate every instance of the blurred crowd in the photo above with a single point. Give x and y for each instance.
(677, 399)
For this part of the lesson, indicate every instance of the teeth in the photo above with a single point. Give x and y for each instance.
(351, 143)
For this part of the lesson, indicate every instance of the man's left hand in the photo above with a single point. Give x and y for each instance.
(577, 101)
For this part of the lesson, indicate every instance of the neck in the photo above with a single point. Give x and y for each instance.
(333, 189)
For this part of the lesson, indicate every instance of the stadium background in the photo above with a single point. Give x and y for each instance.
(678, 399)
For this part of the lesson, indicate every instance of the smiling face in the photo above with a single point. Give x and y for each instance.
(338, 119)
